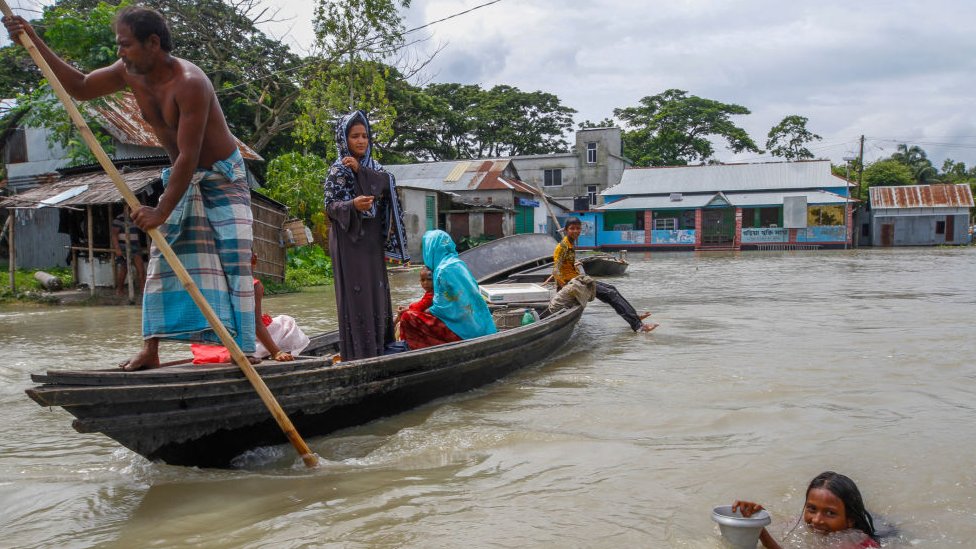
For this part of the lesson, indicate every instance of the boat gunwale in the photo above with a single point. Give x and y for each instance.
(235, 382)
(288, 401)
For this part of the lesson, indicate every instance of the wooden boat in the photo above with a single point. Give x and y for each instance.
(604, 265)
(206, 415)
(498, 259)
(535, 275)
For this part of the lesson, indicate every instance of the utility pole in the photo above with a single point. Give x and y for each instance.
(852, 206)
(860, 168)
(860, 207)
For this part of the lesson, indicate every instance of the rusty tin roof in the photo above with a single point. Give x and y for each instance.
(459, 175)
(121, 117)
(922, 196)
(81, 190)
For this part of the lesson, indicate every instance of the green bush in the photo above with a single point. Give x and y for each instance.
(468, 242)
(28, 287)
(308, 266)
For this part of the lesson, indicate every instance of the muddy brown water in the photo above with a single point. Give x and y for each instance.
(768, 368)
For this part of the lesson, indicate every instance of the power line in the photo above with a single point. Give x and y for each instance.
(819, 147)
(458, 14)
(928, 143)
(398, 35)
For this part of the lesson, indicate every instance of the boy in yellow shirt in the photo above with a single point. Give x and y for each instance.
(565, 269)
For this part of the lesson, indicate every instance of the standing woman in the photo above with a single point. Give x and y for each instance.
(366, 225)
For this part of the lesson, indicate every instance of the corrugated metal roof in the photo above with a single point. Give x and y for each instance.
(521, 186)
(428, 175)
(727, 177)
(453, 176)
(121, 117)
(488, 176)
(922, 196)
(97, 187)
(456, 172)
(742, 200)
(658, 202)
(776, 198)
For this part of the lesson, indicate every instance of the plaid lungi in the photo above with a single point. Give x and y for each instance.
(210, 231)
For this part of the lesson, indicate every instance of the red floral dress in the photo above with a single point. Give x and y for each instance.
(421, 329)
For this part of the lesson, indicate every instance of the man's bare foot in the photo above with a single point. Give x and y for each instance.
(644, 315)
(253, 359)
(648, 327)
(144, 360)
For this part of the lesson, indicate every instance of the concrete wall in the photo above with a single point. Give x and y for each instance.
(40, 157)
(414, 202)
(577, 174)
(476, 224)
(919, 230)
(541, 219)
(609, 166)
(531, 170)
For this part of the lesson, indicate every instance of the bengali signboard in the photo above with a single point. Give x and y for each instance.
(765, 234)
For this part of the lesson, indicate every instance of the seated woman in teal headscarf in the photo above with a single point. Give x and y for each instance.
(458, 311)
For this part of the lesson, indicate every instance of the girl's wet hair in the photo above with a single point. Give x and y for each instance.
(425, 272)
(845, 490)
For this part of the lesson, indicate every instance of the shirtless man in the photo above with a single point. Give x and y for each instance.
(176, 98)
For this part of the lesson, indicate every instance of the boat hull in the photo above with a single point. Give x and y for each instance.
(603, 266)
(494, 261)
(205, 416)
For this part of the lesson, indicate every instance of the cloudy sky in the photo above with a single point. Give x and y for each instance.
(896, 72)
(892, 71)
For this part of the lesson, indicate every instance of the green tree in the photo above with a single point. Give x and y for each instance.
(886, 173)
(673, 129)
(956, 172)
(917, 161)
(295, 180)
(458, 107)
(18, 73)
(355, 37)
(419, 124)
(788, 139)
(254, 76)
(466, 121)
(86, 40)
(605, 123)
(512, 122)
(326, 97)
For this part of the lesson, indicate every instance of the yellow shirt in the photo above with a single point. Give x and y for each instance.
(564, 262)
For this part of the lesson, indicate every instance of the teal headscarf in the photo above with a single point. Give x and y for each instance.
(457, 300)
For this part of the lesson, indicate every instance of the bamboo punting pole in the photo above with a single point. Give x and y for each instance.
(235, 352)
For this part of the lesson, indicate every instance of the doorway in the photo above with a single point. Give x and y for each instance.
(718, 226)
(887, 235)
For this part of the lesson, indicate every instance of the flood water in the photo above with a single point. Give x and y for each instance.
(768, 368)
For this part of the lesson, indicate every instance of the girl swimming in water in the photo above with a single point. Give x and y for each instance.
(833, 507)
